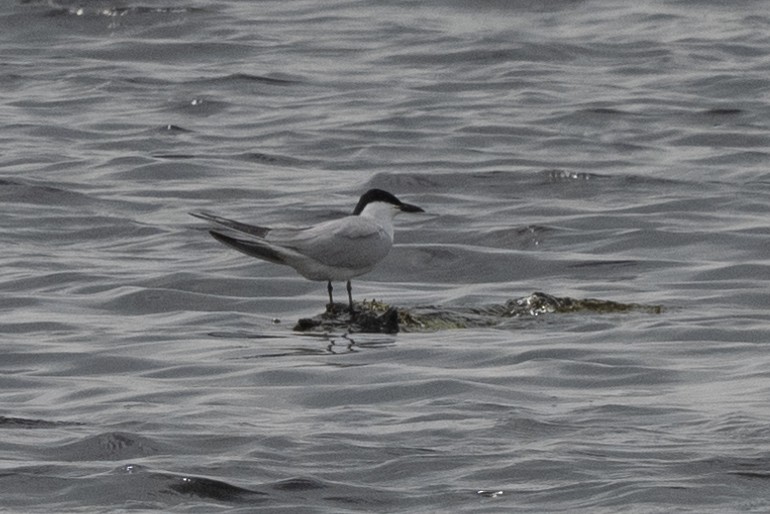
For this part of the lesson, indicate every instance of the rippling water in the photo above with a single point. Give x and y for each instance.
(589, 149)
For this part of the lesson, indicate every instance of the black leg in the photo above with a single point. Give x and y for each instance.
(331, 300)
(350, 296)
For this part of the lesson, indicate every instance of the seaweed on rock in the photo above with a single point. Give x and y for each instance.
(372, 316)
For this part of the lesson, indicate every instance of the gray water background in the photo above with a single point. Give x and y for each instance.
(592, 149)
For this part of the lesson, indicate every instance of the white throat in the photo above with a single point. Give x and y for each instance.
(382, 214)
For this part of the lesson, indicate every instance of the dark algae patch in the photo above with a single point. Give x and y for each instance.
(372, 316)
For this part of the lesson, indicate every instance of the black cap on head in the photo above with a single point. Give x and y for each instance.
(378, 195)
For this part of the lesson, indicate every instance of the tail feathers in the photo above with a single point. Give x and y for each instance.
(253, 230)
(258, 249)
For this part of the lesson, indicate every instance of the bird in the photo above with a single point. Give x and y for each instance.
(331, 251)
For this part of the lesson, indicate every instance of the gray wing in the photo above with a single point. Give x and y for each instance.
(351, 242)
(253, 230)
(255, 247)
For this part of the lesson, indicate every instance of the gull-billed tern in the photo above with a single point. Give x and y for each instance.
(334, 250)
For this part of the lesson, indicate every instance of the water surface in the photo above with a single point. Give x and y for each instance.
(585, 149)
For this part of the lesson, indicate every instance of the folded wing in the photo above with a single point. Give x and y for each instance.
(352, 242)
(253, 230)
(255, 247)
